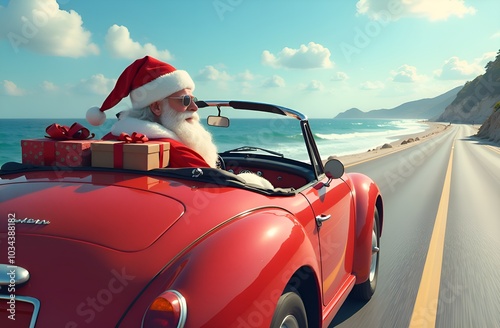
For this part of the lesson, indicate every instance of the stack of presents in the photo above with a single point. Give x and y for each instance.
(74, 147)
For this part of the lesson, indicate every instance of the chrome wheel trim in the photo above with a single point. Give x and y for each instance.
(289, 322)
(375, 250)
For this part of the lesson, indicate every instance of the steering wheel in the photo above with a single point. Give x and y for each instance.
(220, 163)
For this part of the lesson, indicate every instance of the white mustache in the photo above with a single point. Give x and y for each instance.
(188, 115)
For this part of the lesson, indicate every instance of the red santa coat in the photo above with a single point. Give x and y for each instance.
(180, 154)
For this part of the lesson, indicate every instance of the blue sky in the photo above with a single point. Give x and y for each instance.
(319, 57)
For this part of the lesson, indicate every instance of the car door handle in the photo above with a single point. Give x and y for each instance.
(321, 218)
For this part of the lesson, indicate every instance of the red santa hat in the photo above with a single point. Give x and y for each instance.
(146, 80)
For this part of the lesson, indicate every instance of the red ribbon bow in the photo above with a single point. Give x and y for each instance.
(134, 138)
(62, 132)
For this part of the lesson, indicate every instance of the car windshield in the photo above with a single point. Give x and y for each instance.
(279, 134)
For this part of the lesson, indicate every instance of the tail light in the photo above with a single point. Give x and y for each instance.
(168, 310)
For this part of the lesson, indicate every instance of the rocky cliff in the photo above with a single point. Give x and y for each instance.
(463, 112)
(491, 127)
(474, 103)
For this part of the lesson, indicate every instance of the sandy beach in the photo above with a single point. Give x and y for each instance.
(403, 142)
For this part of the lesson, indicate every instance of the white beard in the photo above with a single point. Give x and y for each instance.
(191, 133)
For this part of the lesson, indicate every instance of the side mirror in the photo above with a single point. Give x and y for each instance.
(334, 169)
(220, 121)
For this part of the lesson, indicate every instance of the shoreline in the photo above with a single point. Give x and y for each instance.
(403, 142)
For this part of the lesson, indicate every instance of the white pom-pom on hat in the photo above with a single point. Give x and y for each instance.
(95, 116)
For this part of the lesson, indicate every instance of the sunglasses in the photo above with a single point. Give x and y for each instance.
(186, 99)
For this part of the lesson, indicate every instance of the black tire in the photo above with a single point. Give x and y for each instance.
(290, 312)
(365, 290)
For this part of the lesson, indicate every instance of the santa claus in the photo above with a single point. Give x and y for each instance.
(163, 108)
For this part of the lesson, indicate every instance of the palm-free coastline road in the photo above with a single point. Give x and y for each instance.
(440, 262)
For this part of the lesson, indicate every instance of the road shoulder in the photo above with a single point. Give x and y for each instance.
(404, 142)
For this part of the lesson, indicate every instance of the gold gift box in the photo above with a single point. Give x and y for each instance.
(134, 156)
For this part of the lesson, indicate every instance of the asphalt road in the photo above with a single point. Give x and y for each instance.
(456, 205)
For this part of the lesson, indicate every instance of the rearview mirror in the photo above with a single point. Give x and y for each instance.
(220, 121)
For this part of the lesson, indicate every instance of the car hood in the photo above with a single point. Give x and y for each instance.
(125, 218)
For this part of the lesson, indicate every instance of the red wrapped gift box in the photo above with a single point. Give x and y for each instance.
(49, 152)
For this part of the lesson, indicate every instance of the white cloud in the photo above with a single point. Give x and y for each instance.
(314, 85)
(120, 45)
(432, 10)
(49, 86)
(456, 69)
(97, 84)
(246, 76)
(340, 76)
(495, 35)
(312, 55)
(405, 73)
(485, 58)
(41, 27)
(210, 73)
(11, 89)
(372, 85)
(274, 82)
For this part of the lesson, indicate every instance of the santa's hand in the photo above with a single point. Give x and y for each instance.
(256, 180)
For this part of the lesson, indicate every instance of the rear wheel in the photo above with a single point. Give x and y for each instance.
(290, 312)
(365, 290)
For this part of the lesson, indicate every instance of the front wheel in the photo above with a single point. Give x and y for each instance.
(290, 312)
(365, 290)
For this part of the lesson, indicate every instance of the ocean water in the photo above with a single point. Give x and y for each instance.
(283, 135)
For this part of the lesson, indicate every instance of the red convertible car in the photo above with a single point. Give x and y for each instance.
(189, 247)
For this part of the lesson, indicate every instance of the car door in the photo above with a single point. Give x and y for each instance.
(332, 207)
